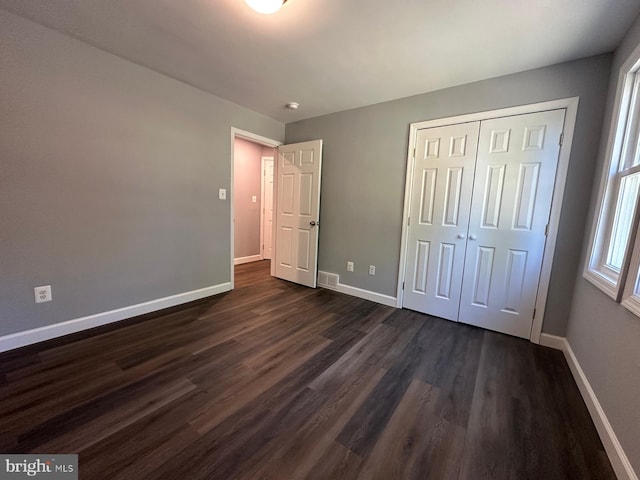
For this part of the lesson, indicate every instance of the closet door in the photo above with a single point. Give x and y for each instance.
(442, 182)
(515, 175)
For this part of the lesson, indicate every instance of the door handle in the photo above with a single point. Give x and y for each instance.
(313, 223)
(460, 236)
(472, 237)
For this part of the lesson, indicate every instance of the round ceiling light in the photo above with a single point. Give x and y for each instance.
(293, 105)
(265, 6)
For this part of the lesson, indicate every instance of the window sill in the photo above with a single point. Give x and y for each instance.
(603, 283)
(632, 304)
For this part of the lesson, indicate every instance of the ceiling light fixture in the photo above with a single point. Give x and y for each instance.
(293, 105)
(266, 6)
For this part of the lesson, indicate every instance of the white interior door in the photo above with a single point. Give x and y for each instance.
(515, 175)
(298, 212)
(445, 159)
(267, 209)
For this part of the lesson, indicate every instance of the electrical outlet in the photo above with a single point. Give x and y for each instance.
(254, 199)
(222, 194)
(349, 266)
(42, 294)
(372, 269)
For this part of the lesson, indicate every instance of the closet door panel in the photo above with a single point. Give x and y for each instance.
(515, 175)
(442, 183)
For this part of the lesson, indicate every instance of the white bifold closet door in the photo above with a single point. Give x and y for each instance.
(500, 242)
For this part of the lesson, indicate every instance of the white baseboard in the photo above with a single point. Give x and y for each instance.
(365, 294)
(553, 341)
(249, 259)
(617, 456)
(28, 337)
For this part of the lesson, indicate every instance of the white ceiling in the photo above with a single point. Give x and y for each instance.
(333, 55)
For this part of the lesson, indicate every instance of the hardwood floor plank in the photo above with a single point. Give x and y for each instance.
(128, 453)
(245, 390)
(296, 456)
(364, 428)
(231, 446)
(275, 381)
(84, 425)
(337, 462)
(417, 443)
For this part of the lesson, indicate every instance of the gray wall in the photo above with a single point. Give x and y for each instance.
(604, 336)
(364, 168)
(109, 177)
(247, 180)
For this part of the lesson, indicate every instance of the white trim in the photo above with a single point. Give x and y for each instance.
(252, 137)
(249, 259)
(571, 106)
(632, 303)
(597, 234)
(631, 293)
(615, 452)
(28, 337)
(552, 341)
(570, 118)
(263, 212)
(276, 162)
(364, 294)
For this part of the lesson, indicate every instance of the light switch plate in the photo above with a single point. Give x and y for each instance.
(222, 194)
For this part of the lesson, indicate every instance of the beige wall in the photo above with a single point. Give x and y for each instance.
(247, 181)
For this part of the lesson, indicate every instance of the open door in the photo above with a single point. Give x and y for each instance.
(297, 187)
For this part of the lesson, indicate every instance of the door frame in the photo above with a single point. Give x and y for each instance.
(264, 159)
(255, 138)
(571, 106)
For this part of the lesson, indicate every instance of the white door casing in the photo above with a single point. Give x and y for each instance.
(267, 208)
(515, 176)
(445, 159)
(477, 222)
(570, 105)
(297, 212)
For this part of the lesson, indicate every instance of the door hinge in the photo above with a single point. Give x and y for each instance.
(561, 139)
(534, 313)
(402, 285)
(546, 230)
(409, 222)
(414, 153)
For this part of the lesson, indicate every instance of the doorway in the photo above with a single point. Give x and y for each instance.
(249, 153)
(296, 208)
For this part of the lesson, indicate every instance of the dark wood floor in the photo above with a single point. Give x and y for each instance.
(276, 381)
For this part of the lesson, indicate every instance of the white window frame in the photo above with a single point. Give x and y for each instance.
(623, 146)
(631, 297)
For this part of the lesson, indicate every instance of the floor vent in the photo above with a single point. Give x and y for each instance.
(326, 279)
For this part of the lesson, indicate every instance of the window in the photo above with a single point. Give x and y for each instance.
(614, 257)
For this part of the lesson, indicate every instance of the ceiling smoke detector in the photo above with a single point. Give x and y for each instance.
(266, 6)
(293, 105)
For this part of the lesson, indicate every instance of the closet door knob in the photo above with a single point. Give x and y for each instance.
(461, 236)
(472, 237)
